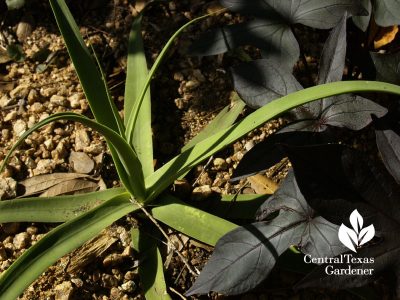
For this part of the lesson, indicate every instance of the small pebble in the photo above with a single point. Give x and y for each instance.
(81, 162)
(112, 260)
(58, 100)
(220, 164)
(19, 127)
(12, 115)
(129, 286)
(21, 240)
(201, 193)
(64, 291)
(20, 91)
(8, 188)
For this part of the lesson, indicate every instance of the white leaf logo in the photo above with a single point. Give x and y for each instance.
(353, 238)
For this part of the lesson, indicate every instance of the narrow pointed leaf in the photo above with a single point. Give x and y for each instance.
(242, 206)
(159, 180)
(53, 209)
(362, 22)
(136, 76)
(90, 77)
(58, 242)
(225, 118)
(132, 175)
(334, 54)
(191, 221)
(151, 268)
(130, 125)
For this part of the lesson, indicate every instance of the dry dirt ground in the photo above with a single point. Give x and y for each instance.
(187, 93)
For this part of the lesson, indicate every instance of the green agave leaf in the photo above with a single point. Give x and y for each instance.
(132, 179)
(151, 269)
(164, 176)
(138, 103)
(53, 209)
(136, 77)
(223, 120)
(243, 206)
(191, 221)
(89, 75)
(58, 242)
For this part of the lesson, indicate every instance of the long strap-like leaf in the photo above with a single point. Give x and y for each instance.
(135, 109)
(151, 268)
(191, 221)
(164, 176)
(104, 110)
(58, 242)
(136, 76)
(53, 209)
(131, 175)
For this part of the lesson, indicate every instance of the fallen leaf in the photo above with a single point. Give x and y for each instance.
(385, 36)
(262, 184)
(40, 183)
(71, 187)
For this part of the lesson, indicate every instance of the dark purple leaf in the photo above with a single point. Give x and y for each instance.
(389, 147)
(387, 66)
(362, 22)
(243, 258)
(333, 54)
(314, 13)
(261, 81)
(387, 12)
(352, 112)
(273, 37)
(335, 180)
(271, 31)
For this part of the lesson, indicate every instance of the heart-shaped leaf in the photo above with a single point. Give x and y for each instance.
(271, 31)
(263, 80)
(244, 257)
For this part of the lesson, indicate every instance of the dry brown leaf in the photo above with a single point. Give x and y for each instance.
(40, 183)
(262, 184)
(385, 36)
(91, 250)
(71, 187)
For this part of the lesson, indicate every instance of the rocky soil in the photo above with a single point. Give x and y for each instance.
(187, 93)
